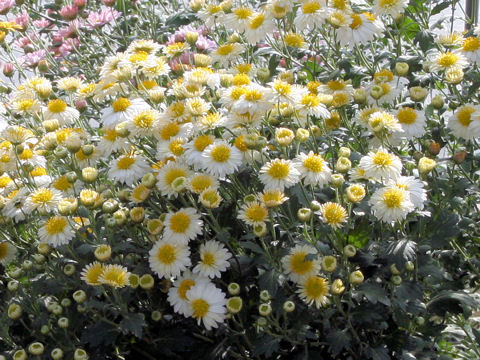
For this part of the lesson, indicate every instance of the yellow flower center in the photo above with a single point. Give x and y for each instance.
(201, 142)
(340, 4)
(26, 154)
(4, 181)
(220, 153)
(311, 7)
(225, 49)
(471, 43)
(310, 100)
(256, 213)
(125, 162)
(3, 250)
(294, 40)
(244, 68)
(208, 258)
(179, 222)
(167, 254)
(239, 143)
(115, 276)
(42, 196)
(93, 273)
(382, 159)
(138, 57)
(169, 130)
(387, 3)
(316, 287)
(200, 308)
(299, 264)
(57, 106)
(62, 183)
(407, 116)
(282, 88)
(176, 147)
(173, 174)
(334, 213)
(243, 12)
(38, 171)
(110, 135)
(237, 92)
(383, 76)
(464, 115)
(241, 79)
(447, 59)
(213, 9)
(56, 225)
(314, 163)
(184, 286)
(144, 119)
(25, 104)
(253, 95)
(210, 119)
(279, 170)
(257, 21)
(393, 198)
(200, 183)
(340, 98)
(121, 104)
(177, 109)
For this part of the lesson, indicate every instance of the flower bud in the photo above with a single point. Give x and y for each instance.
(287, 76)
(69, 269)
(265, 295)
(57, 309)
(14, 311)
(73, 143)
(149, 180)
(263, 74)
(110, 206)
(343, 164)
(260, 230)
(302, 135)
(438, 102)
(45, 329)
(234, 304)
(265, 309)
(344, 152)
(304, 214)
(63, 323)
(103, 252)
(409, 266)
(191, 37)
(120, 217)
(288, 306)
(89, 197)
(57, 354)
(134, 280)
(60, 152)
(261, 321)
(337, 180)
(80, 354)
(202, 60)
(51, 125)
(356, 277)
(233, 288)
(137, 214)
(396, 280)
(434, 148)
(27, 265)
(401, 68)
(20, 355)
(43, 66)
(350, 250)
(8, 69)
(179, 184)
(67, 206)
(89, 174)
(394, 270)
(359, 95)
(44, 248)
(337, 287)
(417, 93)
(71, 177)
(420, 321)
(459, 157)
(454, 75)
(156, 315)
(426, 165)
(79, 296)
(210, 198)
(155, 226)
(355, 193)
(329, 263)
(12, 285)
(284, 136)
(15, 273)
(376, 92)
(315, 205)
(147, 281)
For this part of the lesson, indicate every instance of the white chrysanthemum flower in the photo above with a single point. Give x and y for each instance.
(174, 147)
(194, 150)
(128, 169)
(44, 200)
(314, 289)
(177, 294)
(7, 252)
(412, 121)
(26, 106)
(253, 213)
(172, 129)
(313, 169)
(114, 275)
(169, 258)
(260, 24)
(311, 105)
(296, 264)
(465, 122)
(182, 226)
(382, 121)
(59, 110)
(13, 207)
(221, 159)
(389, 7)
(206, 305)
(56, 231)
(212, 14)
(111, 142)
(167, 175)
(391, 204)
(199, 182)
(237, 20)
(447, 60)
(310, 14)
(227, 53)
(418, 195)
(143, 123)
(363, 29)
(471, 49)
(333, 214)
(283, 92)
(121, 110)
(213, 259)
(279, 174)
(255, 99)
(381, 165)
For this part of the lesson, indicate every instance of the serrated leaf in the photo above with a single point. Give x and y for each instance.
(133, 323)
(251, 246)
(266, 345)
(401, 251)
(378, 353)
(452, 301)
(374, 293)
(100, 333)
(269, 281)
(338, 341)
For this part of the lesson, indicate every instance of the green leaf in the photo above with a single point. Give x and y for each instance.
(378, 353)
(269, 281)
(100, 333)
(440, 7)
(374, 293)
(401, 251)
(133, 323)
(266, 345)
(338, 340)
(452, 301)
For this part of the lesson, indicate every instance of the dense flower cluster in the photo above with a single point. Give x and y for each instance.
(286, 157)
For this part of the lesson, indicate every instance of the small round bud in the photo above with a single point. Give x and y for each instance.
(233, 288)
(401, 68)
(284, 136)
(51, 125)
(69, 269)
(263, 74)
(57, 354)
(57, 309)
(304, 214)
(265, 309)
(350, 250)
(417, 93)
(63, 322)
(355, 193)
(20, 355)
(27, 265)
(13, 285)
(36, 348)
(15, 273)
(110, 206)
(302, 135)
(179, 184)
(89, 197)
(134, 280)
(66, 302)
(156, 315)
(191, 37)
(438, 102)
(261, 321)
(356, 277)
(265, 295)
(120, 217)
(79, 296)
(337, 287)
(147, 281)
(137, 214)
(288, 306)
(337, 180)
(71, 177)
(344, 152)
(376, 92)
(103, 252)
(329, 263)
(426, 165)
(359, 96)
(420, 321)
(343, 164)
(260, 229)
(45, 329)
(89, 174)
(14, 311)
(287, 76)
(409, 266)
(394, 270)
(149, 180)
(459, 157)
(81, 308)
(315, 205)
(396, 280)
(249, 198)
(60, 152)
(155, 226)
(234, 304)
(80, 354)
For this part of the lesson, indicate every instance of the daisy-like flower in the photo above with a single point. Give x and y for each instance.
(56, 231)
(26, 106)
(258, 27)
(143, 123)
(177, 294)
(174, 147)
(279, 174)
(384, 122)
(115, 276)
(198, 183)
(111, 142)
(465, 122)
(194, 150)
(91, 273)
(44, 200)
(411, 121)
(471, 49)
(169, 258)
(312, 13)
(7, 252)
(167, 175)
(128, 169)
(227, 53)
(13, 207)
(311, 105)
(255, 99)
(381, 165)
(59, 110)
(448, 60)
(253, 213)
(385, 87)
(418, 195)
(212, 14)
(221, 159)
(391, 204)
(283, 92)
(314, 290)
(297, 266)
(182, 226)
(333, 214)
(213, 259)
(210, 198)
(206, 305)
(313, 169)
(272, 198)
(389, 7)
(238, 19)
(363, 29)
(121, 110)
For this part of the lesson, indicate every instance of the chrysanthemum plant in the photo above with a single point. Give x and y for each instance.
(238, 180)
